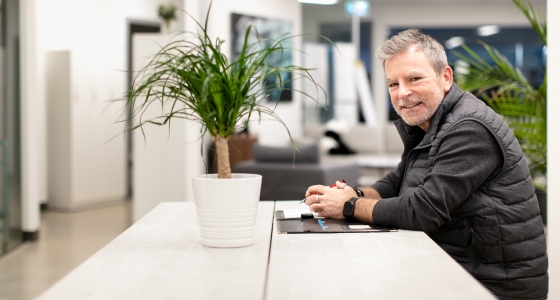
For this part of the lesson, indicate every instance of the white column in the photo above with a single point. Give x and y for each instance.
(380, 94)
(345, 93)
(41, 106)
(553, 70)
(29, 130)
(356, 30)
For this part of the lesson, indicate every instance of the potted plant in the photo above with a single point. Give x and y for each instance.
(509, 93)
(167, 13)
(192, 79)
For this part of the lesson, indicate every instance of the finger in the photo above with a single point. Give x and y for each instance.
(316, 207)
(316, 189)
(313, 199)
(311, 190)
(340, 185)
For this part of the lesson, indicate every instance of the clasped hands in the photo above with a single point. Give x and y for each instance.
(328, 202)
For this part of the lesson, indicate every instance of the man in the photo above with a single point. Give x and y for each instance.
(462, 178)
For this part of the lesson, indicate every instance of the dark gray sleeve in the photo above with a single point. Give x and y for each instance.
(387, 186)
(468, 156)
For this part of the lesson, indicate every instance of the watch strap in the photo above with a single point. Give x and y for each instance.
(358, 191)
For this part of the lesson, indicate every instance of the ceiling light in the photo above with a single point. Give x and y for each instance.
(488, 30)
(454, 42)
(357, 7)
(322, 2)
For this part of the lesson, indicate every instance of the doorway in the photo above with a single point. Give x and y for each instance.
(133, 26)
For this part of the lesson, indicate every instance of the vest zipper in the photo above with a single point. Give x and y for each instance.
(472, 245)
(406, 166)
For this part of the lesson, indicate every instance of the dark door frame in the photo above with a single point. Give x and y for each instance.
(133, 26)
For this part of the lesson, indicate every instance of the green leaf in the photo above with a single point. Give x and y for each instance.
(507, 91)
(190, 78)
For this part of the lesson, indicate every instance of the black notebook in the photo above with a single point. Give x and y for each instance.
(292, 223)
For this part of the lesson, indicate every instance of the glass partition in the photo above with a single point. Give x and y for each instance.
(10, 187)
(323, 60)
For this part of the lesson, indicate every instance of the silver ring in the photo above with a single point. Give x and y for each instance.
(317, 199)
(345, 185)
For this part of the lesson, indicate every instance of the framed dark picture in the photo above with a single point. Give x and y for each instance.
(268, 29)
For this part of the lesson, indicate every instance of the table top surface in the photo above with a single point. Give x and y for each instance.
(383, 265)
(161, 257)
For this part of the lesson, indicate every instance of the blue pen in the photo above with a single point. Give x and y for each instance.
(322, 224)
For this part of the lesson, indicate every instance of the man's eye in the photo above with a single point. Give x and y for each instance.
(392, 85)
(415, 78)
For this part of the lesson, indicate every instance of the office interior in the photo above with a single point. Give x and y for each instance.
(63, 61)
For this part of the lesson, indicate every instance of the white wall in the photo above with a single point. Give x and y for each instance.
(194, 165)
(553, 70)
(97, 41)
(159, 152)
(409, 13)
(270, 132)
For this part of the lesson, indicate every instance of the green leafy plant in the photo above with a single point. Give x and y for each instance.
(167, 13)
(510, 94)
(192, 79)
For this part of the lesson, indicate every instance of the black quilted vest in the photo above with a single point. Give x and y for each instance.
(497, 234)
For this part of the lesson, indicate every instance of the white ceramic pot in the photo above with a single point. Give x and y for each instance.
(227, 208)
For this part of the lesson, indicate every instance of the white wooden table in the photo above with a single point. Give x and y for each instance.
(160, 257)
(384, 265)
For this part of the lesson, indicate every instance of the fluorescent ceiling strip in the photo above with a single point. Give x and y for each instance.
(322, 2)
(488, 30)
(454, 42)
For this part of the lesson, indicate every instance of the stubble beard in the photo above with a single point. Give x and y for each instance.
(415, 118)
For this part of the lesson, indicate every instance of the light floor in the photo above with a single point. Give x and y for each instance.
(65, 241)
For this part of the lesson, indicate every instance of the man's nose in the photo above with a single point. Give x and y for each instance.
(404, 90)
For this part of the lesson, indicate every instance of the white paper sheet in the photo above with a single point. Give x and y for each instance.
(296, 213)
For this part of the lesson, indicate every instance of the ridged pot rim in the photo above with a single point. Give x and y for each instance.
(234, 176)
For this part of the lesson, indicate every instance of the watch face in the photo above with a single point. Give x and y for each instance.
(348, 210)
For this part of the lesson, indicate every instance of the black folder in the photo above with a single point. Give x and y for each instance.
(323, 225)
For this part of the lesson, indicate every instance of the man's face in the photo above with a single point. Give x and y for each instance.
(415, 87)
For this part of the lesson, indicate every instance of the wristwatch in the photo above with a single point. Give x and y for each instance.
(348, 210)
(358, 191)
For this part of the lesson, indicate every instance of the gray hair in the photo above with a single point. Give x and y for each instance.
(402, 41)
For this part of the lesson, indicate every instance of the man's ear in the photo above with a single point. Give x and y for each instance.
(447, 78)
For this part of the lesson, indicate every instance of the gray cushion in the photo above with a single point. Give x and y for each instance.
(306, 154)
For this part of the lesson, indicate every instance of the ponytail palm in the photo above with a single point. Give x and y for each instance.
(510, 94)
(192, 79)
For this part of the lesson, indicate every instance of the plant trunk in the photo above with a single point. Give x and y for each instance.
(224, 169)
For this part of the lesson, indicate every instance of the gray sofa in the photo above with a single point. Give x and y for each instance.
(378, 149)
(286, 178)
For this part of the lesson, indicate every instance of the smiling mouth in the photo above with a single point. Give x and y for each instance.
(412, 105)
